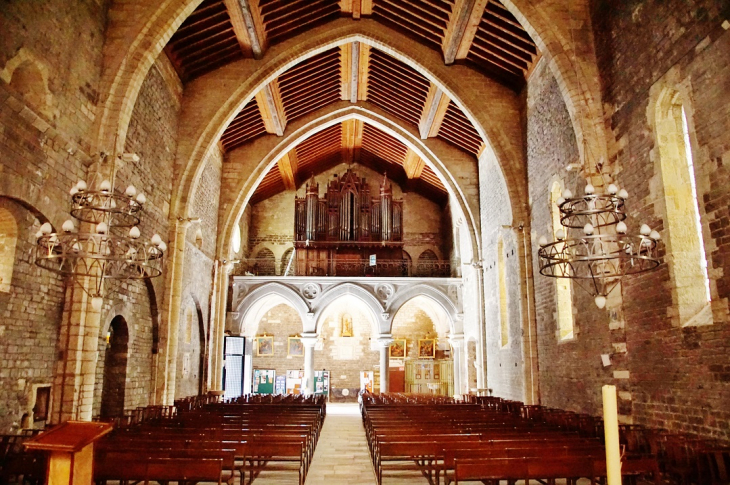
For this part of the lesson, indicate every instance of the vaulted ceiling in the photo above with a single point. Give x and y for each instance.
(479, 33)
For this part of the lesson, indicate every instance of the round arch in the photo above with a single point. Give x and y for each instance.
(380, 321)
(262, 299)
(246, 188)
(435, 295)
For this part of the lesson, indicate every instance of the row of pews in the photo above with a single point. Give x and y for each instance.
(199, 440)
(489, 439)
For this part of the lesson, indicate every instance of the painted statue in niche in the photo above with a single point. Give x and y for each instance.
(346, 325)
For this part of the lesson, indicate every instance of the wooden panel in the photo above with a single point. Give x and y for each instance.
(246, 126)
(285, 18)
(396, 87)
(311, 84)
(425, 20)
(458, 130)
(204, 42)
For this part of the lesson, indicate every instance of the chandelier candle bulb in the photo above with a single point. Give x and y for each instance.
(68, 226)
(542, 241)
(74, 190)
(655, 235)
(560, 234)
(96, 303)
(567, 194)
(612, 189)
(588, 229)
(77, 246)
(134, 232)
(600, 301)
(131, 191)
(621, 228)
(102, 228)
(163, 246)
(46, 228)
(156, 240)
(81, 185)
(590, 189)
(645, 230)
(105, 186)
(623, 194)
(141, 198)
(39, 234)
(560, 201)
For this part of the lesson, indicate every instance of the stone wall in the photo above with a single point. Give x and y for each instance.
(571, 373)
(30, 313)
(678, 376)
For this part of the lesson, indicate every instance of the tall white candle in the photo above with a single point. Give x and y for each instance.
(610, 428)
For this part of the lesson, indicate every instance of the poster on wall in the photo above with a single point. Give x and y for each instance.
(280, 385)
(322, 382)
(294, 381)
(263, 381)
(366, 380)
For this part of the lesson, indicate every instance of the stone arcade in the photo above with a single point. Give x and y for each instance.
(481, 113)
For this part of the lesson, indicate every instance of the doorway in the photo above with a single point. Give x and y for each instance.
(115, 369)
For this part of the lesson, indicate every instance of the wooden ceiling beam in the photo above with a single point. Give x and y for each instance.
(248, 26)
(413, 165)
(463, 24)
(356, 8)
(434, 110)
(354, 71)
(352, 131)
(271, 108)
(288, 166)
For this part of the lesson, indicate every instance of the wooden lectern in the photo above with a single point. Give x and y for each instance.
(71, 447)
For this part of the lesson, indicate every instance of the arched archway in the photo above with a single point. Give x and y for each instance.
(8, 242)
(115, 369)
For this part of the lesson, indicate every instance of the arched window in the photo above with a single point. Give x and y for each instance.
(8, 242)
(503, 310)
(686, 248)
(564, 291)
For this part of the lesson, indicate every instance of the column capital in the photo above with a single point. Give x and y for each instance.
(456, 340)
(384, 340)
(309, 339)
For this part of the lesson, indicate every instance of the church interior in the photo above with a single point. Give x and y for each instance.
(428, 211)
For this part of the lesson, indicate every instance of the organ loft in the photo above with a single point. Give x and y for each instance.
(337, 235)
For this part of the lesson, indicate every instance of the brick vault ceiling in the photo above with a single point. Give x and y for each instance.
(482, 34)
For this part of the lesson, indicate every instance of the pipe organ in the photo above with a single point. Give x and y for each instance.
(336, 233)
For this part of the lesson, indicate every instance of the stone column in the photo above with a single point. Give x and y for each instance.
(218, 318)
(482, 326)
(384, 342)
(309, 340)
(457, 343)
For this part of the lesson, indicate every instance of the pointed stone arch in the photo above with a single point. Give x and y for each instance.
(380, 319)
(436, 295)
(256, 303)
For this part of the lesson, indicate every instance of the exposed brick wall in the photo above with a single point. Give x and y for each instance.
(571, 373)
(29, 317)
(678, 376)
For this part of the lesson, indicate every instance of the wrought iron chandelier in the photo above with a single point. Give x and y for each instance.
(603, 252)
(110, 250)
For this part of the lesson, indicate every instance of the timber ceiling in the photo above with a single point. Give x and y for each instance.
(479, 33)
(352, 142)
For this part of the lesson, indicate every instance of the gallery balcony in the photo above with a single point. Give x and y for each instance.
(345, 267)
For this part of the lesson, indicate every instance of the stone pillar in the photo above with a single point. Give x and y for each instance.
(457, 344)
(481, 325)
(219, 301)
(309, 340)
(167, 371)
(384, 342)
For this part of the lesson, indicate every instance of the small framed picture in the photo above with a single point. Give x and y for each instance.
(264, 346)
(296, 347)
(398, 348)
(418, 376)
(426, 348)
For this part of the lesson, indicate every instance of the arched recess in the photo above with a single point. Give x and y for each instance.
(350, 301)
(442, 322)
(262, 299)
(115, 369)
(258, 169)
(204, 120)
(380, 321)
(8, 242)
(438, 297)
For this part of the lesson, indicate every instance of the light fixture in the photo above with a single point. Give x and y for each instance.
(599, 252)
(107, 249)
